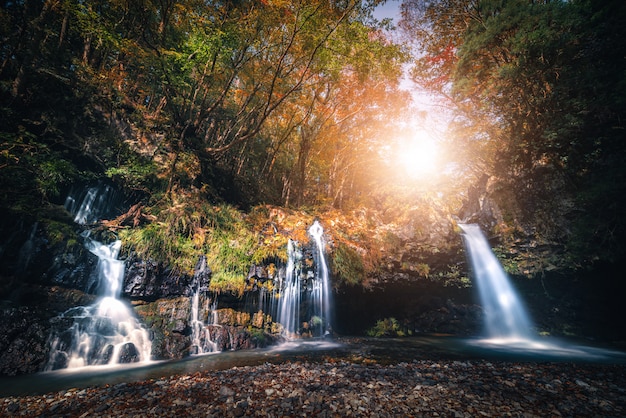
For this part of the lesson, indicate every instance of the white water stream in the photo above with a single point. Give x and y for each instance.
(106, 332)
(305, 299)
(320, 295)
(506, 317)
(508, 326)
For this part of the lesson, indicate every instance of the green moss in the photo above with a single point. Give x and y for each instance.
(187, 227)
(60, 233)
(257, 335)
(228, 281)
(271, 248)
(316, 321)
(454, 277)
(134, 172)
(509, 264)
(347, 265)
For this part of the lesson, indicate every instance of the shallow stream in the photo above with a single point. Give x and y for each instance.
(356, 350)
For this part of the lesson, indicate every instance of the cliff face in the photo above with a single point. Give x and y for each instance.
(403, 265)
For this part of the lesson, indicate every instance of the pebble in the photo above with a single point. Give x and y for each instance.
(335, 389)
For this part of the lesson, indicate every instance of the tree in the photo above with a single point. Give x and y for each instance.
(356, 100)
(541, 79)
(190, 93)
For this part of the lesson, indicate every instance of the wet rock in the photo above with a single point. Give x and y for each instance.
(149, 280)
(48, 251)
(107, 354)
(129, 353)
(451, 319)
(168, 322)
(24, 330)
(59, 360)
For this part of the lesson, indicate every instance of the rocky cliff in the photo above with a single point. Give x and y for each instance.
(404, 264)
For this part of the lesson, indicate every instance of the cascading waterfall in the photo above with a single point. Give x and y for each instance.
(305, 298)
(507, 324)
(267, 301)
(106, 332)
(92, 204)
(214, 316)
(289, 309)
(26, 251)
(506, 318)
(320, 295)
(201, 342)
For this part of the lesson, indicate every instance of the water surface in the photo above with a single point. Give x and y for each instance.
(357, 350)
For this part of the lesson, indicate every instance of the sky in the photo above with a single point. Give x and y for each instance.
(391, 9)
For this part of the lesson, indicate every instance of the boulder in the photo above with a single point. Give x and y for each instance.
(129, 353)
(149, 280)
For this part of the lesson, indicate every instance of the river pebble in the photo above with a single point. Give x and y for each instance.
(342, 389)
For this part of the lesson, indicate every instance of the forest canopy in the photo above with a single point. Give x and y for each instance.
(242, 101)
(537, 90)
(299, 104)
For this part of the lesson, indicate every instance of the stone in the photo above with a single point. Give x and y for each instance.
(129, 353)
(226, 391)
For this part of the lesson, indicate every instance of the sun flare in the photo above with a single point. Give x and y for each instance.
(418, 155)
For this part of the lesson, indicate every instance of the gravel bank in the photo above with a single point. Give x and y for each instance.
(342, 388)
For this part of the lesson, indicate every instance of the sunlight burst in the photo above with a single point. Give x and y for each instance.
(419, 155)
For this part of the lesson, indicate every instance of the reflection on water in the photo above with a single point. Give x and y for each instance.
(359, 350)
(306, 345)
(546, 349)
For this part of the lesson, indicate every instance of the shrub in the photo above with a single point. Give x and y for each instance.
(388, 327)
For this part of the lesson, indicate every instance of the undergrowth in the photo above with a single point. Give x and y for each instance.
(388, 327)
(186, 228)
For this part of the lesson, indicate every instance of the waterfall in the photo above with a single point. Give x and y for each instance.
(267, 301)
(106, 332)
(214, 317)
(505, 315)
(201, 342)
(289, 309)
(26, 251)
(305, 296)
(507, 324)
(320, 295)
(92, 204)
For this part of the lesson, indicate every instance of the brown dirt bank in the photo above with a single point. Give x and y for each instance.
(331, 388)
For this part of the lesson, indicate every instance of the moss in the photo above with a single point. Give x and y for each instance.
(258, 336)
(511, 265)
(60, 234)
(347, 265)
(274, 247)
(316, 321)
(186, 227)
(134, 171)
(222, 281)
